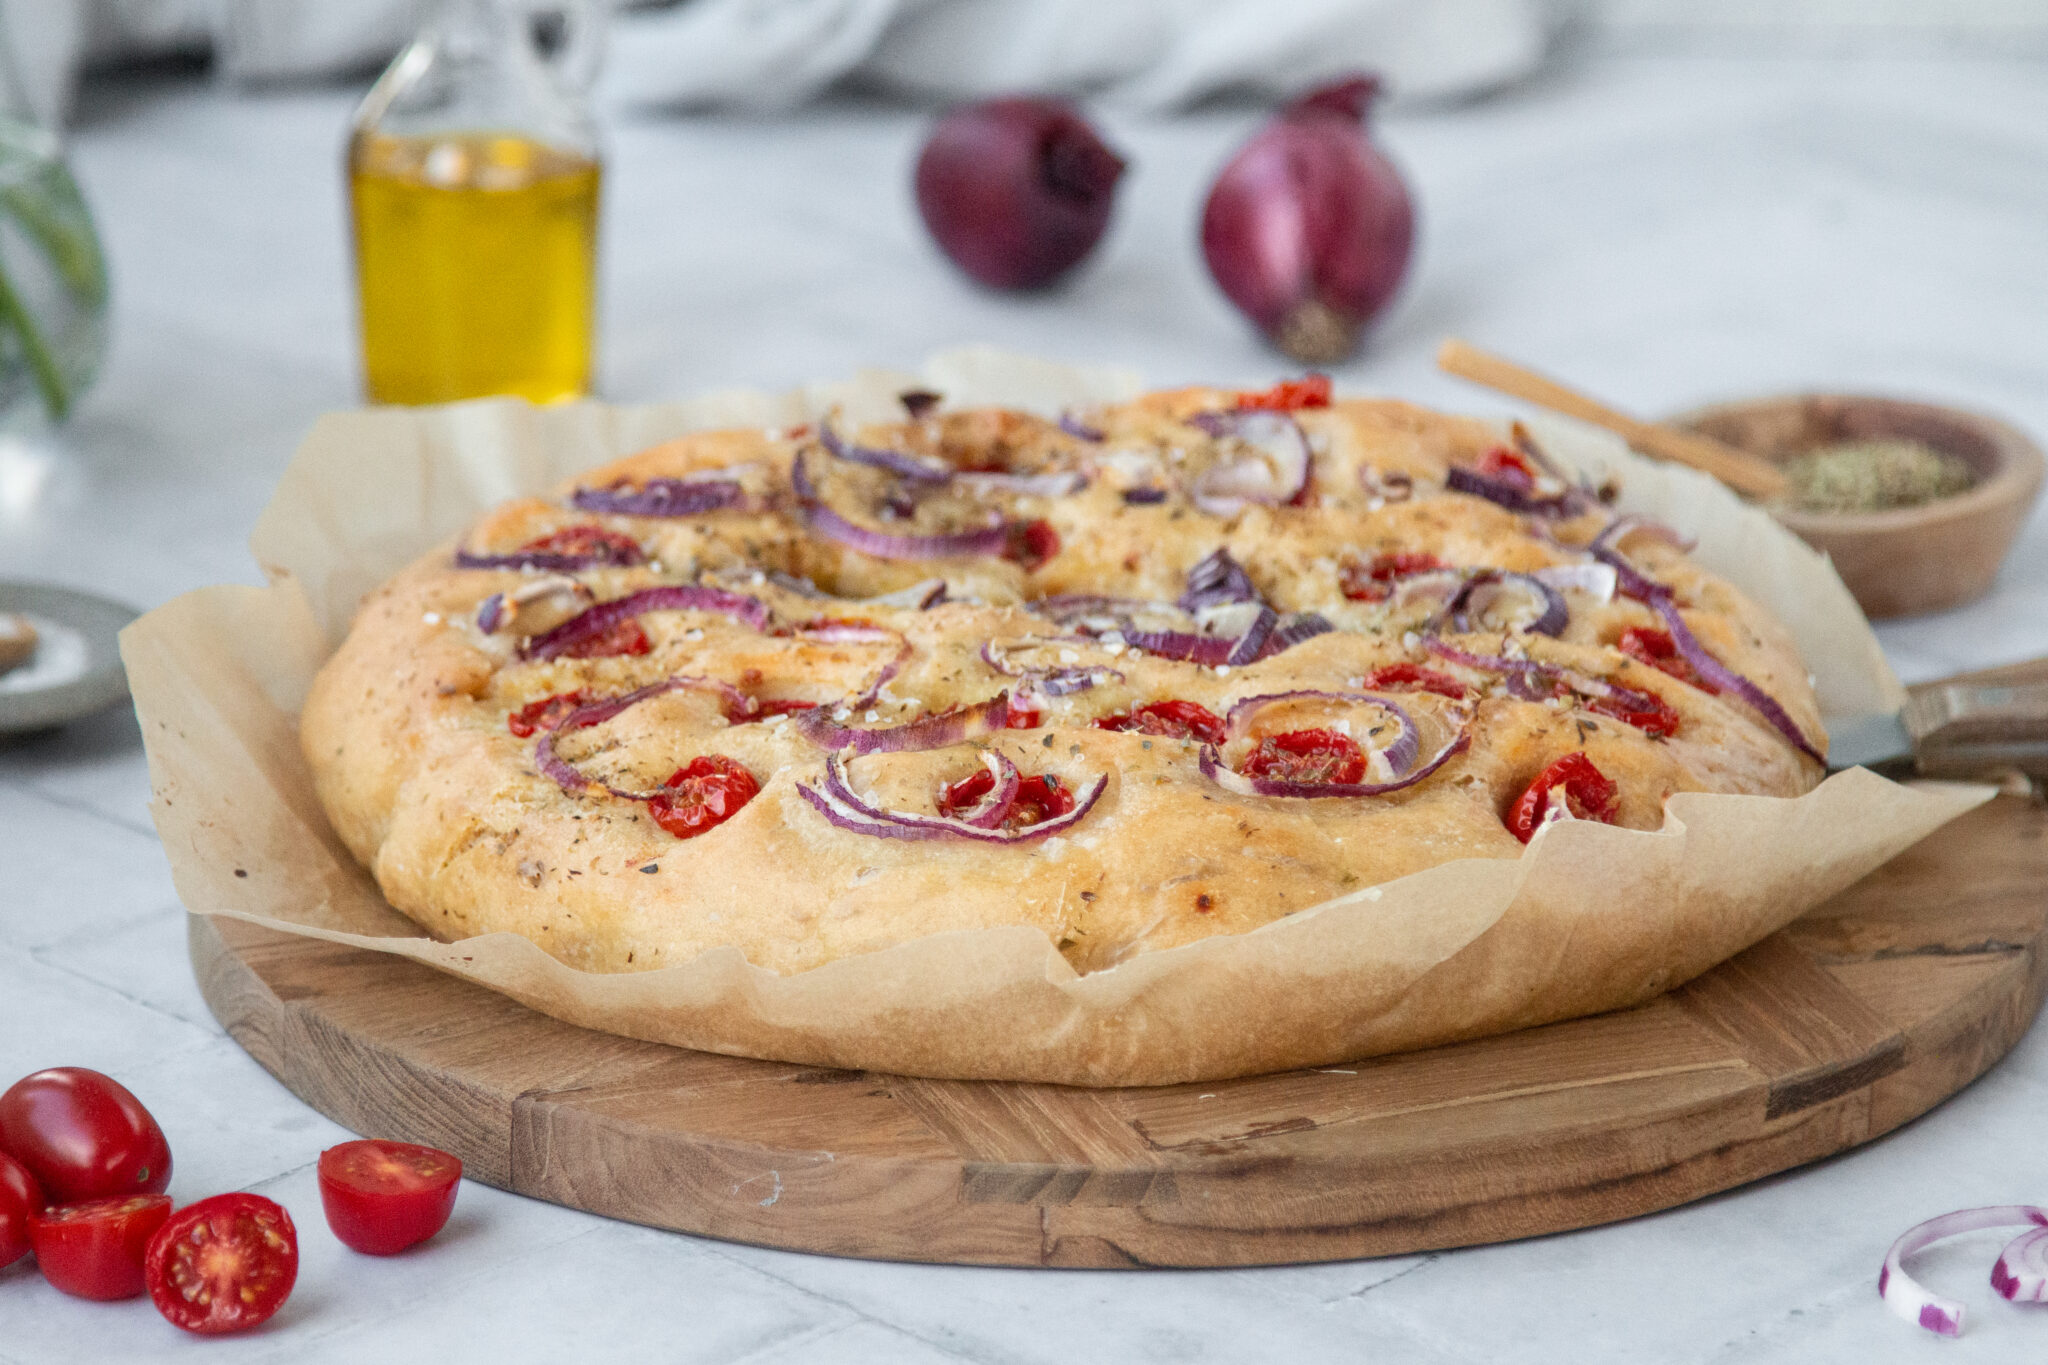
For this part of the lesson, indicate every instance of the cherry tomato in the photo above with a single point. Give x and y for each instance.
(382, 1197)
(1649, 645)
(1169, 720)
(1033, 543)
(1318, 756)
(83, 1136)
(1587, 794)
(1389, 677)
(1289, 395)
(545, 714)
(224, 1264)
(702, 795)
(608, 547)
(1374, 582)
(1512, 465)
(95, 1250)
(622, 637)
(20, 1197)
(1038, 798)
(1646, 711)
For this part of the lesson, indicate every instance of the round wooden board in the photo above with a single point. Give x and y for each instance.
(1860, 1016)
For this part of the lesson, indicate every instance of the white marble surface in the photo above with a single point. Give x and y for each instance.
(1662, 229)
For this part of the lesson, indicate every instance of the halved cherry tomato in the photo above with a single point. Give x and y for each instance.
(1649, 645)
(1587, 793)
(1388, 677)
(1374, 582)
(1169, 720)
(83, 1136)
(1032, 543)
(1318, 756)
(1512, 465)
(94, 1250)
(621, 637)
(703, 794)
(1037, 799)
(224, 1264)
(382, 1197)
(1289, 395)
(545, 714)
(1022, 716)
(1646, 711)
(609, 547)
(20, 1196)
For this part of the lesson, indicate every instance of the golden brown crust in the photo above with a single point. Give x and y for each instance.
(406, 727)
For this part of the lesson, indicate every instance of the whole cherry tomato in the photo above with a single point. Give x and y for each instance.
(1585, 791)
(224, 1264)
(382, 1197)
(20, 1196)
(83, 1136)
(94, 1250)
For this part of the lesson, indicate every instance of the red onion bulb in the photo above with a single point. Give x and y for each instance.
(1308, 228)
(1016, 190)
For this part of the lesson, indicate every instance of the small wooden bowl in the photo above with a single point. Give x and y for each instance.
(1906, 560)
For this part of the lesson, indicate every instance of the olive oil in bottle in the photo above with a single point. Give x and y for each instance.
(473, 173)
(476, 263)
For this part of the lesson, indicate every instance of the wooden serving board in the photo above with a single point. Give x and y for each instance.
(1865, 1013)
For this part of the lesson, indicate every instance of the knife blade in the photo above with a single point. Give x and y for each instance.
(1970, 726)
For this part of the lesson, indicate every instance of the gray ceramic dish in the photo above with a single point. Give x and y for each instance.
(76, 669)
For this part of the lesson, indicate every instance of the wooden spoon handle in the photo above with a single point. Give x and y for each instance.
(1740, 470)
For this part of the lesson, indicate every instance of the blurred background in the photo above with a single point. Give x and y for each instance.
(1664, 202)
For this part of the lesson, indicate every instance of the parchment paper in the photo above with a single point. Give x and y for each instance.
(1590, 918)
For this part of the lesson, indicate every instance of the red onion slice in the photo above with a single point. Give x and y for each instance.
(2021, 1271)
(588, 625)
(917, 468)
(500, 609)
(1080, 430)
(1597, 581)
(1209, 650)
(820, 726)
(1144, 497)
(988, 812)
(1272, 470)
(835, 800)
(1053, 682)
(1252, 643)
(565, 774)
(685, 497)
(1399, 756)
(1485, 587)
(1215, 581)
(1628, 579)
(1909, 1299)
(1213, 769)
(1614, 532)
(1293, 629)
(828, 523)
(1512, 496)
(1727, 679)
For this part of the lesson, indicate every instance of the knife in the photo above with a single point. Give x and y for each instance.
(1972, 725)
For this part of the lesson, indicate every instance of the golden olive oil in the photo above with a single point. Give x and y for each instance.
(476, 261)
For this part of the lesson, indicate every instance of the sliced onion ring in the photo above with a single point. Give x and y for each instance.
(988, 812)
(836, 801)
(1216, 580)
(1614, 532)
(882, 545)
(1487, 584)
(1512, 496)
(1293, 629)
(1053, 682)
(1213, 769)
(1910, 1300)
(2021, 1271)
(1080, 430)
(1399, 756)
(926, 732)
(1275, 474)
(686, 497)
(917, 468)
(590, 624)
(1727, 679)
(565, 774)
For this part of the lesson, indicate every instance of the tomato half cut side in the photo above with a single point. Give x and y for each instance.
(20, 1197)
(83, 1136)
(382, 1197)
(224, 1264)
(94, 1250)
(1572, 786)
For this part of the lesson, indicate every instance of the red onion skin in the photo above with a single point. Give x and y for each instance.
(1016, 191)
(1309, 227)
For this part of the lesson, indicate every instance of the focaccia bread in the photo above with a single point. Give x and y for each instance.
(1155, 672)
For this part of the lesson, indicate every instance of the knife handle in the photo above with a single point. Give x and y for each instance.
(1977, 722)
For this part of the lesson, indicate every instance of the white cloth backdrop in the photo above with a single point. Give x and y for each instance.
(777, 53)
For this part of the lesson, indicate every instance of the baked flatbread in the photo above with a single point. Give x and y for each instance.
(1157, 672)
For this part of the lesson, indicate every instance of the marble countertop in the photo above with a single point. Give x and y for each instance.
(1662, 229)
